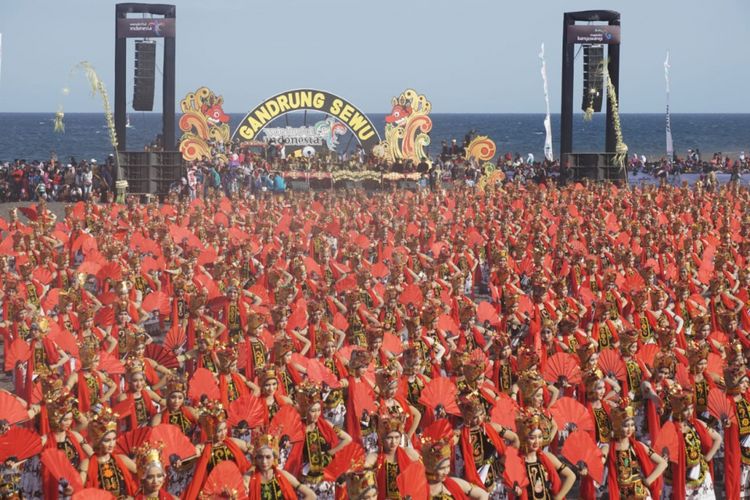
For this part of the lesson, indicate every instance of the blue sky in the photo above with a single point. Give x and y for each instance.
(466, 56)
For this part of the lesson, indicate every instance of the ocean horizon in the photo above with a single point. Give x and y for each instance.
(31, 136)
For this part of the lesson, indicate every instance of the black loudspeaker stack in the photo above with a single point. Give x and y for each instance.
(145, 68)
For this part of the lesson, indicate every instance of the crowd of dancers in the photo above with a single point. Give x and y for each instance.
(512, 342)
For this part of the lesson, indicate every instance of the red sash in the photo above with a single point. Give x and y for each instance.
(294, 462)
(49, 483)
(679, 470)
(200, 474)
(239, 384)
(551, 473)
(403, 461)
(647, 467)
(732, 458)
(287, 490)
(92, 477)
(467, 452)
(147, 403)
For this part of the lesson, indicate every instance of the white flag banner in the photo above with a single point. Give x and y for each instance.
(547, 120)
(670, 144)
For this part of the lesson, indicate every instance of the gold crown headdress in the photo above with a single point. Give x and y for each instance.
(471, 405)
(585, 352)
(373, 334)
(306, 395)
(254, 320)
(134, 364)
(135, 338)
(619, 414)
(528, 422)
(412, 358)
(264, 439)
(148, 455)
(733, 376)
(696, 353)
(359, 359)
(665, 337)
(529, 383)
(211, 414)
(176, 382)
(102, 422)
(58, 407)
(226, 356)
(627, 339)
(679, 400)
(474, 367)
(527, 358)
(390, 422)
(267, 373)
(666, 360)
(281, 347)
(434, 452)
(358, 483)
(735, 353)
(386, 378)
(590, 380)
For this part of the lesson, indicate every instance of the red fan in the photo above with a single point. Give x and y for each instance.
(175, 337)
(224, 478)
(111, 270)
(392, 344)
(249, 408)
(569, 413)
(412, 482)
(238, 234)
(715, 364)
(611, 363)
(43, 275)
(127, 442)
(515, 469)
(349, 457)
(89, 267)
(157, 301)
(203, 383)
(340, 322)
(124, 408)
(207, 256)
(486, 312)
(107, 298)
(93, 494)
(153, 264)
(348, 282)
(104, 317)
(580, 448)
(164, 357)
(109, 364)
(12, 409)
(412, 294)
(379, 270)
(437, 430)
(363, 399)
(19, 351)
(682, 376)
(668, 441)
(63, 338)
(175, 442)
(319, 373)
(58, 464)
(440, 391)
(448, 324)
(647, 353)
(29, 212)
(209, 284)
(633, 283)
(51, 299)
(287, 422)
(562, 367)
(504, 412)
(19, 443)
(720, 406)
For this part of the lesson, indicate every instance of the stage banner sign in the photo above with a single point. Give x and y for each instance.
(342, 116)
(594, 34)
(146, 28)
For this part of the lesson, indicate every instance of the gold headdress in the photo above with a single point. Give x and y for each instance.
(619, 415)
(680, 400)
(666, 360)
(281, 347)
(386, 378)
(412, 358)
(470, 405)
(435, 452)
(474, 367)
(176, 382)
(148, 455)
(529, 384)
(359, 359)
(307, 395)
(390, 422)
(590, 380)
(101, 423)
(696, 353)
(374, 334)
(585, 352)
(528, 422)
(134, 364)
(627, 339)
(267, 373)
(735, 353)
(733, 376)
(226, 356)
(264, 439)
(211, 415)
(87, 354)
(527, 358)
(254, 320)
(360, 482)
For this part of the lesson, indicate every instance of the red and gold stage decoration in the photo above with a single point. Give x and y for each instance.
(203, 120)
(406, 128)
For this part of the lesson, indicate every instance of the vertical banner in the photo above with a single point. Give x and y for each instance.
(547, 120)
(670, 145)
